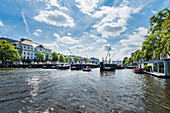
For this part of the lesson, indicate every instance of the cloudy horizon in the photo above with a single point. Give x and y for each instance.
(86, 27)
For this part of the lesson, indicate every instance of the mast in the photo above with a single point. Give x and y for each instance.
(70, 52)
(107, 54)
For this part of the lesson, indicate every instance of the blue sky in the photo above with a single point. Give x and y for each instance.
(86, 27)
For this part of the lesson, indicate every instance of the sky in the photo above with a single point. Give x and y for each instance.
(87, 27)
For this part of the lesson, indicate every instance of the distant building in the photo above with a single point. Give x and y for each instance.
(28, 48)
(94, 60)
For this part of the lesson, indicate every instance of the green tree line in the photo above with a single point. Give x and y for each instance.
(157, 41)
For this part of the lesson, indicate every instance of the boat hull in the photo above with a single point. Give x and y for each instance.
(107, 67)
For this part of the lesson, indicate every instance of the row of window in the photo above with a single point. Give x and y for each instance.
(33, 49)
(31, 54)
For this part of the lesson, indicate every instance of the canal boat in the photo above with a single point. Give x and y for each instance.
(63, 66)
(107, 67)
(138, 70)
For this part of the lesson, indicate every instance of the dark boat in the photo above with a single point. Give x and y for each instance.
(138, 70)
(63, 66)
(107, 67)
(77, 66)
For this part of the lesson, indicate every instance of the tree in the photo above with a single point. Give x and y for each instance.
(67, 59)
(22, 58)
(40, 56)
(77, 59)
(124, 59)
(130, 60)
(137, 55)
(61, 58)
(127, 61)
(54, 56)
(157, 41)
(8, 52)
(47, 57)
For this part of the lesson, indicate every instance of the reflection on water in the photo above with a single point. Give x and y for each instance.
(47, 90)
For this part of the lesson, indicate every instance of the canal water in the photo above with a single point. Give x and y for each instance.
(57, 91)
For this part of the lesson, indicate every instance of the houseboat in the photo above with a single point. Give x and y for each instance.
(160, 68)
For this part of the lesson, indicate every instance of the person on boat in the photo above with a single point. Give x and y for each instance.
(88, 67)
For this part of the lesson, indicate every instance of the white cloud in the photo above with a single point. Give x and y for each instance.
(109, 15)
(78, 47)
(110, 29)
(1, 24)
(52, 45)
(99, 40)
(68, 33)
(154, 12)
(56, 4)
(68, 40)
(87, 6)
(106, 47)
(39, 30)
(55, 18)
(57, 36)
(132, 43)
(36, 33)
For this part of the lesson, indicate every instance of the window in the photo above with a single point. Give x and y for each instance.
(161, 67)
(168, 67)
(24, 53)
(24, 47)
(28, 48)
(31, 48)
(31, 53)
(155, 67)
(27, 53)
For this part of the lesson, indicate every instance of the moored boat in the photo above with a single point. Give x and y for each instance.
(107, 67)
(63, 66)
(138, 70)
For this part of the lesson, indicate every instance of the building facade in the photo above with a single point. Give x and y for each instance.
(28, 48)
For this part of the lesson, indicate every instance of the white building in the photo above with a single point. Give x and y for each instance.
(28, 48)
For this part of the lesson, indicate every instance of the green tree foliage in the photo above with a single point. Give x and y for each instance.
(67, 59)
(124, 59)
(158, 38)
(137, 55)
(40, 56)
(61, 58)
(54, 56)
(22, 57)
(77, 59)
(8, 52)
(47, 57)
(129, 60)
